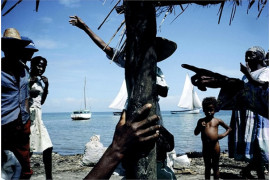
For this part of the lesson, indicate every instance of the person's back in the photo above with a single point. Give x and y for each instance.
(208, 127)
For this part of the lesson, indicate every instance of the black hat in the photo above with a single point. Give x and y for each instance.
(165, 48)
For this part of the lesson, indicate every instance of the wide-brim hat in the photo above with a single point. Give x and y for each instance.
(12, 39)
(31, 46)
(164, 48)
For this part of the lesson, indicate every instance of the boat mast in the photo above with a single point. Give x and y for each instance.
(84, 93)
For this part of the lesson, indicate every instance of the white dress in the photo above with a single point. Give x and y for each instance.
(39, 137)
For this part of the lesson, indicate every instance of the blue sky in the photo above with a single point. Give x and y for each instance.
(72, 55)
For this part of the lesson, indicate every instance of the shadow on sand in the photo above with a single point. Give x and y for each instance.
(230, 176)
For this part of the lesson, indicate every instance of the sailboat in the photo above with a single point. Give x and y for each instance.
(83, 114)
(120, 99)
(189, 99)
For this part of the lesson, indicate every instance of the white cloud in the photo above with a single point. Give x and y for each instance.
(70, 3)
(46, 20)
(48, 44)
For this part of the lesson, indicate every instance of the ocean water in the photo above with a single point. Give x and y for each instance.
(69, 137)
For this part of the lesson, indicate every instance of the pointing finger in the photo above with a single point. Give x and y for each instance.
(192, 68)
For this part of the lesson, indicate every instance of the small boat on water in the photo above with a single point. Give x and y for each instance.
(117, 113)
(189, 99)
(83, 114)
(120, 100)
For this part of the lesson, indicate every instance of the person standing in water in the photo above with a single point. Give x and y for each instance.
(208, 127)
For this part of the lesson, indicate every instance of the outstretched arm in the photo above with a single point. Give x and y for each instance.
(235, 94)
(126, 136)
(76, 21)
(225, 126)
(205, 78)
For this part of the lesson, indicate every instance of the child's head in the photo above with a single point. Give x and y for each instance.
(209, 105)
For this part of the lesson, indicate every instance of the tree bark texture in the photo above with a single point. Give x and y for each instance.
(140, 74)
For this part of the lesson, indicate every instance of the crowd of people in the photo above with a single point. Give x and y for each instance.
(24, 91)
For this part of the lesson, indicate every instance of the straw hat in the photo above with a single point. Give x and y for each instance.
(12, 39)
(165, 48)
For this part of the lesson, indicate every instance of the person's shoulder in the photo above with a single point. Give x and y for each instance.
(217, 120)
(201, 120)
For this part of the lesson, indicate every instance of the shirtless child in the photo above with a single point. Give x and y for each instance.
(208, 127)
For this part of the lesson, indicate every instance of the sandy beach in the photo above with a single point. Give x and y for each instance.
(69, 167)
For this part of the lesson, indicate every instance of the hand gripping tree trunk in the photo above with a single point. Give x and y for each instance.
(140, 73)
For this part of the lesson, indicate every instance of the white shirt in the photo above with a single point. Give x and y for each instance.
(36, 102)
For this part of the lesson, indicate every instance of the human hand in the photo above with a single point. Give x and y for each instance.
(132, 133)
(45, 80)
(205, 78)
(250, 78)
(76, 21)
(244, 70)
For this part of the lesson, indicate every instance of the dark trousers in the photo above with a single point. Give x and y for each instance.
(15, 137)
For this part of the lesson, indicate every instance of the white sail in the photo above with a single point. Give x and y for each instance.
(189, 98)
(120, 100)
(197, 104)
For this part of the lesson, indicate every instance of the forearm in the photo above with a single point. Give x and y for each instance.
(44, 95)
(221, 136)
(197, 131)
(97, 40)
(106, 165)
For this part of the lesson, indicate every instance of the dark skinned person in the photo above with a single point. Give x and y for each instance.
(165, 48)
(249, 140)
(39, 138)
(249, 95)
(15, 123)
(234, 93)
(135, 132)
(208, 127)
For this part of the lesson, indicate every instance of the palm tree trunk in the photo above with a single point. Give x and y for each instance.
(140, 73)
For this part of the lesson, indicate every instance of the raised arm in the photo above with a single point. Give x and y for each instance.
(253, 81)
(225, 126)
(127, 135)
(76, 21)
(45, 90)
